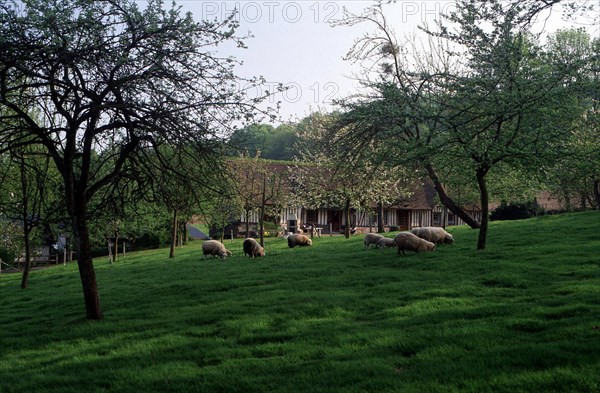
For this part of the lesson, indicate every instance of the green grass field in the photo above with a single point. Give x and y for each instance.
(523, 316)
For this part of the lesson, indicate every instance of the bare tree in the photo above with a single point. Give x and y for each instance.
(107, 76)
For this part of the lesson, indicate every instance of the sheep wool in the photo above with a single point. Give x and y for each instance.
(215, 249)
(386, 242)
(252, 248)
(435, 235)
(298, 240)
(408, 241)
(372, 238)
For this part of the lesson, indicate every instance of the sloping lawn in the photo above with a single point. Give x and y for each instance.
(522, 316)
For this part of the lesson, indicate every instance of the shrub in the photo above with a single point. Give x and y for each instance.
(11, 243)
(517, 211)
(271, 229)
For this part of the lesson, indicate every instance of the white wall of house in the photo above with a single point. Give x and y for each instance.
(420, 218)
(393, 217)
(253, 216)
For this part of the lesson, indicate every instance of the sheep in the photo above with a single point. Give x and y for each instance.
(435, 235)
(215, 249)
(252, 248)
(372, 238)
(409, 241)
(298, 240)
(386, 242)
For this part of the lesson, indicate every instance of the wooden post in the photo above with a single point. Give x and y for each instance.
(123, 249)
(65, 256)
(232, 235)
(330, 230)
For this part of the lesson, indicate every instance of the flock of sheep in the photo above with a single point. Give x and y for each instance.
(418, 239)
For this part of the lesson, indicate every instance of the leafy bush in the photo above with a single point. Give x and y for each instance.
(517, 211)
(271, 229)
(149, 240)
(11, 243)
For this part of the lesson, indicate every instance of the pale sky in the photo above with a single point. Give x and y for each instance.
(295, 45)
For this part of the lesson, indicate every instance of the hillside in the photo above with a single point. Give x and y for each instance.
(523, 316)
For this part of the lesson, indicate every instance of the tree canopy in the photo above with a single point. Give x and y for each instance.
(486, 97)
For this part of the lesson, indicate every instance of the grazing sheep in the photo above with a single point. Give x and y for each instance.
(298, 240)
(372, 238)
(408, 241)
(253, 249)
(435, 235)
(386, 242)
(215, 249)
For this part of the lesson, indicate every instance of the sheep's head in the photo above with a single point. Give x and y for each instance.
(308, 242)
(426, 246)
(225, 253)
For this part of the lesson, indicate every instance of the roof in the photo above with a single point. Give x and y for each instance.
(422, 198)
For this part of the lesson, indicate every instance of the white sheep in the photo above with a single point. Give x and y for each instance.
(408, 241)
(436, 235)
(252, 248)
(215, 249)
(386, 242)
(298, 240)
(372, 238)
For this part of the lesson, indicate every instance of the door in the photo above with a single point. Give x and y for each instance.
(334, 218)
(403, 220)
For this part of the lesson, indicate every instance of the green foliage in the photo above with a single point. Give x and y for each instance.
(11, 241)
(266, 141)
(329, 318)
(271, 229)
(516, 211)
(573, 174)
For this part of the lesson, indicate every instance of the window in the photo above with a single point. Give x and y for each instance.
(437, 218)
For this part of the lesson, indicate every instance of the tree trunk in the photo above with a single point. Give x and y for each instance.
(444, 217)
(484, 197)
(116, 255)
(380, 223)
(111, 258)
(447, 201)
(27, 269)
(596, 193)
(261, 225)
(347, 214)
(173, 234)
(247, 223)
(261, 216)
(567, 199)
(86, 266)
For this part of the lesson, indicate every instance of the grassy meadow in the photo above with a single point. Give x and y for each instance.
(522, 316)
